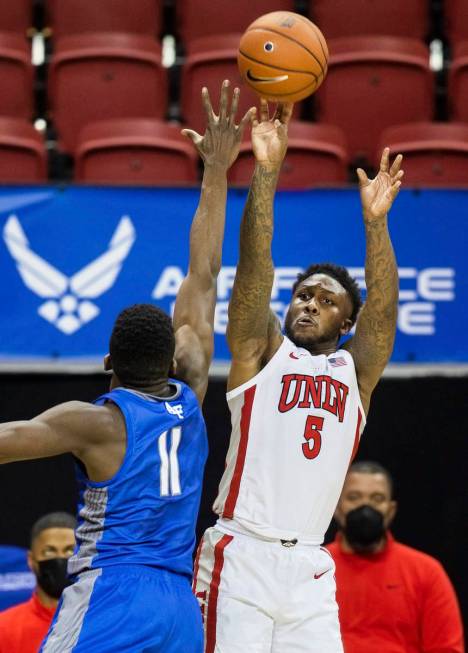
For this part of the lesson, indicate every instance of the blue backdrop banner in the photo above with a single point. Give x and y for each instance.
(72, 258)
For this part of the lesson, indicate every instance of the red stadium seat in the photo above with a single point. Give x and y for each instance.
(102, 76)
(458, 83)
(337, 18)
(436, 154)
(137, 151)
(209, 61)
(198, 18)
(456, 20)
(67, 17)
(16, 74)
(317, 155)
(22, 152)
(16, 16)
(372, 83)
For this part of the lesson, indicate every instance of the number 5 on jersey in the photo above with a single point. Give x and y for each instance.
(313, 437)
(169, 463)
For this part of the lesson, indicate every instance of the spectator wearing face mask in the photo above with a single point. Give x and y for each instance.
(391, 598)
(23, 627)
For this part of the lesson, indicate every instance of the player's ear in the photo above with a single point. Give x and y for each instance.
(173, 368)
(346, 327)
(107, 363)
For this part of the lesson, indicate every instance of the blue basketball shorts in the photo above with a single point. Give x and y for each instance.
(126, 609)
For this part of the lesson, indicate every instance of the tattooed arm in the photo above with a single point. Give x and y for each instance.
(372, 343)
(253, 331)
(196, 299)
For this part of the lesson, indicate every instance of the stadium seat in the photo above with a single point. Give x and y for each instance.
(16, 74)
(198, 18)
(436, 154)
(22, 152)
(209, 61)
(372, 83)
(102, 76)
(16, 16)
(136, 151)
(337, 18)
(456, 20)
(458, 83)
(68, 17)
(317, 155)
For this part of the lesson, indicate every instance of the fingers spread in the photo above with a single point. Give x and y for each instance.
(250, 116)
(286, 112)
(223, 102)
(362, 177)
(234, 106)
(384, 160)
(207, 104)
(396, 165)
(264, 113)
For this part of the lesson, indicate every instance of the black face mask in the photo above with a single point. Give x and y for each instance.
(52, 576)
(364, 527)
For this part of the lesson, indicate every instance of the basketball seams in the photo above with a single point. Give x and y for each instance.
(290, 38)
(289, 70)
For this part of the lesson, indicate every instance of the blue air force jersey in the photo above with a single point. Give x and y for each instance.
(146, 514)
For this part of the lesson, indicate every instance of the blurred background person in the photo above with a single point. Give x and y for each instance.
(391, 598)
(23, 627)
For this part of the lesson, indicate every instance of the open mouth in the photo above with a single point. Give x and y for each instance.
(266, 80)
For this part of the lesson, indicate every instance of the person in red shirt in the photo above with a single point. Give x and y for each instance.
(24, 626)
(391, 598)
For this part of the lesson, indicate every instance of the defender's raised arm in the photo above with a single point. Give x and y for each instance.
(253, 332)
(196, 299)
(372, 343)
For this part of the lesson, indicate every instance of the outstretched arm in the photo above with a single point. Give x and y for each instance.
(196, 299)
(253, 333)
(372, 343)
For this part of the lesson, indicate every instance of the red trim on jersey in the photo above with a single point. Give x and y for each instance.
(196, 566)
(357, 436)
(213, 596)
(234, 488)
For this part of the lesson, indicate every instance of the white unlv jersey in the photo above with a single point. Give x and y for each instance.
(295, 429)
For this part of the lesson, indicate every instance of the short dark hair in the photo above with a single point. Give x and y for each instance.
(52, 520)
(372, 467)
(142, 344)
(341, 275)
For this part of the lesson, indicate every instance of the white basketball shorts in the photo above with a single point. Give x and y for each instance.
(259, 596)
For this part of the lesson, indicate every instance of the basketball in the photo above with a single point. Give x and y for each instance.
(283, 57)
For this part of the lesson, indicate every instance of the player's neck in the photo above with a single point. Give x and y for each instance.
(159, 389)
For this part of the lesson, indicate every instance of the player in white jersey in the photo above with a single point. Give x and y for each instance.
(298, 404)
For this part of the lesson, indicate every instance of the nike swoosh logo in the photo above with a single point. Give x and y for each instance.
(267, 80)
(293, 355)
(317, 576)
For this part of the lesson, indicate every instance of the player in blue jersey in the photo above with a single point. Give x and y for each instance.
(141, 449)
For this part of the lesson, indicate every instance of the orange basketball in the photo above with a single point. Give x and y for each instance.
(283, 56)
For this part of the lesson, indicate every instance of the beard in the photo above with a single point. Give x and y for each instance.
(310, 342)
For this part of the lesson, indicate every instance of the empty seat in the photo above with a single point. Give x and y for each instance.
(456, 20)
(67, 17)
(338, 18)
(22, 152)
(102, 76)
(458, 83)
(16, 74)
(372, 83)
(317, 155)
(209, 61)
(16, 16)
(198, 18)
(436, 154)
(136, 151)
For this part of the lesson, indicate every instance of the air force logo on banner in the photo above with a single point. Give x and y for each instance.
(68, 307)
